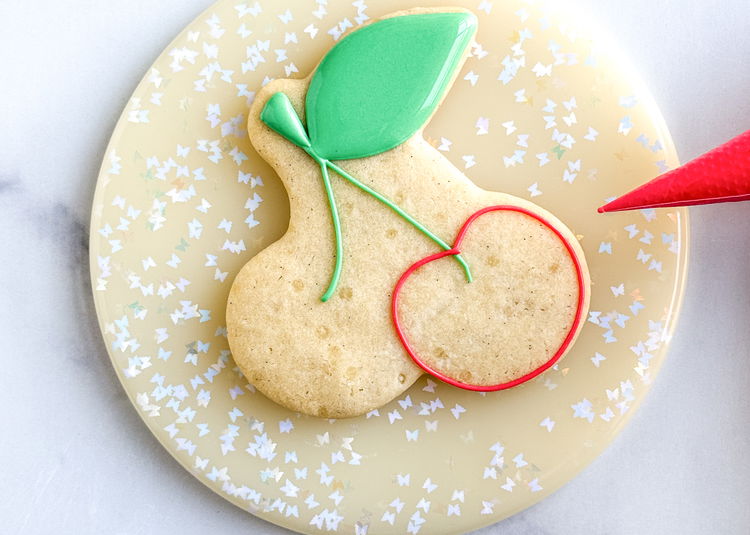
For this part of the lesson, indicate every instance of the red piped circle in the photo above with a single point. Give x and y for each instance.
(454, 251)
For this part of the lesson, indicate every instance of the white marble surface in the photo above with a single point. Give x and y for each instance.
(75, 457)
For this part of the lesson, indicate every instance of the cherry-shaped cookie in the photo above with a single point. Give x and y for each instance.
(309, 318)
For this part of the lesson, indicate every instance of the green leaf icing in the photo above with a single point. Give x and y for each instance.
(279, 114)
(372, 92)
(380, 84)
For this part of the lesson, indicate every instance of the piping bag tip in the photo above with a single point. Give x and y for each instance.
(720, 175)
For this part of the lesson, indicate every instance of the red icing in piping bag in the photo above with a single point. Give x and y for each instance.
(720, 175)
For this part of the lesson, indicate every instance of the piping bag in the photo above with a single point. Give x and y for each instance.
(720, 175)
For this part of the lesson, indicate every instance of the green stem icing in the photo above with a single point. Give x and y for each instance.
(336, 229)
(396, 208)
(280, 115)
(371, 92)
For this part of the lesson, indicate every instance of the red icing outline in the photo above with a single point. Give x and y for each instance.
(455, 250)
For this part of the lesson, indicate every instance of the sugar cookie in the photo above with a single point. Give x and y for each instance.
(394, 262)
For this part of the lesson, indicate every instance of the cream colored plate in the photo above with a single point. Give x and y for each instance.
(540, 111)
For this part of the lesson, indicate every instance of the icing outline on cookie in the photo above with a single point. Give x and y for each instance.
(456, 250)
(400, 98)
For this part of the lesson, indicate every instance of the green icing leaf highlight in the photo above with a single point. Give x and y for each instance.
(380, 84)
(279, 114)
